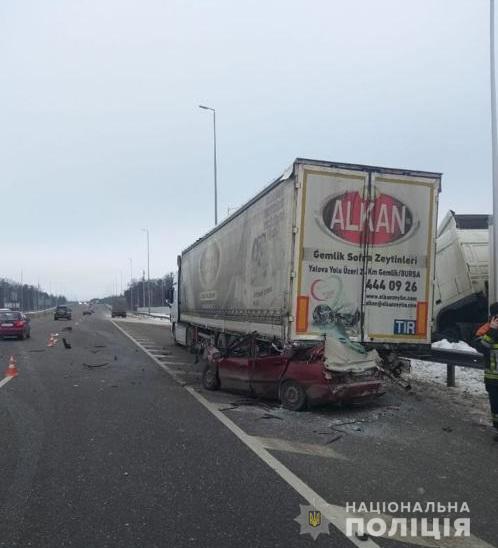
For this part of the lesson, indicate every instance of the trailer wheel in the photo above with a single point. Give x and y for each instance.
(293, 396)
(210, 379)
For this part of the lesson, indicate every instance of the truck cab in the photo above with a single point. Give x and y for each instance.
(462, 273)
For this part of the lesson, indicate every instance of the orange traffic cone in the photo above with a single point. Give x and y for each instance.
(11, 371)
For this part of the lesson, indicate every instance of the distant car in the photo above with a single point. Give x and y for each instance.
(87, 312)
(62, 312)
(14, 324)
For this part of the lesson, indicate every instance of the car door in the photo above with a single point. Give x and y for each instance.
(233, 369)
(265, 375)
(233, 373)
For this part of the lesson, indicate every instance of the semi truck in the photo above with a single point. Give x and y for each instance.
(462, 273)
(327, 251)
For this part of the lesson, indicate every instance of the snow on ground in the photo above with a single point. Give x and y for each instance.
(469, 381)
(461, 346)
(469, 395)
(131, 318)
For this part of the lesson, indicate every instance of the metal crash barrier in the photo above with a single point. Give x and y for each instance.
(452, 359)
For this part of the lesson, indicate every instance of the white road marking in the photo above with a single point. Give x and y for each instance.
(337, 515)
(151, 356)
(276, 444)
(5, 380)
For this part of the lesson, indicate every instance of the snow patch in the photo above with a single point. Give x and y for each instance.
(461, 346)
(468, 381)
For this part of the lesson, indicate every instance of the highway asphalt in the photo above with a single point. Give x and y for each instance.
(101, 447)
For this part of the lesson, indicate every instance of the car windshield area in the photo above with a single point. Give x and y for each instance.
(10, 316)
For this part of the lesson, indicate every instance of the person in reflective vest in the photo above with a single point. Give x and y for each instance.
(484, 328)
(489, 344)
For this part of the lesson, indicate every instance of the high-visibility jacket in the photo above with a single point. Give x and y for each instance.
(490, 343)
(483, 329)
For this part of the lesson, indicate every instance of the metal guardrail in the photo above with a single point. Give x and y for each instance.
(452, 358)
(39, 313)
(475, 360)
(160, 316)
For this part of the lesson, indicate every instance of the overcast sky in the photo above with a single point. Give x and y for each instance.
(101, 135)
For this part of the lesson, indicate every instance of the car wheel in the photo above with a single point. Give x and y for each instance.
(210, 379)
(293, 396)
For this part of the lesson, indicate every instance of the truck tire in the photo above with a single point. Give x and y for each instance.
(210, 379)
(292, 396)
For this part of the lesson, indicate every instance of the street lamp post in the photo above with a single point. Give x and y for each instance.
(143, 288)
(494, 160)
(131, 283)
(215, 164)
(146, 230)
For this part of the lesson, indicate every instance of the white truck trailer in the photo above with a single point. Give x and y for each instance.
(462, 273)
(325, 247)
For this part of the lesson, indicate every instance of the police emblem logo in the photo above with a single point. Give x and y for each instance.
(312, 521)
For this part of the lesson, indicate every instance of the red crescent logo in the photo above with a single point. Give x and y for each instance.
(312, 290)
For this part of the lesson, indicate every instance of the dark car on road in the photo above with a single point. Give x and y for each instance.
(62, 312)
(14, 324)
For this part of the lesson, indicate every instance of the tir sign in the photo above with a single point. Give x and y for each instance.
(379, 220)
(405, 327)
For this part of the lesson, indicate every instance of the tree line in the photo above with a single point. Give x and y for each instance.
(25, 297)
(137, 293)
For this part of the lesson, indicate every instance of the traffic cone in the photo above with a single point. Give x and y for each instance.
(11, 371)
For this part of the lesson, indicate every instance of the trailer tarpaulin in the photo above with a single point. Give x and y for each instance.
(343, 355)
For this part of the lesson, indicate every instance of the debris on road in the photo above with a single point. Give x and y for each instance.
(95, 364)
(67, 344)
(269, 416)
(335, 438)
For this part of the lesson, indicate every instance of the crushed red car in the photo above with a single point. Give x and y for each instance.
(299, 377)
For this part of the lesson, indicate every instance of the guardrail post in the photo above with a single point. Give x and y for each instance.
(450, 375)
